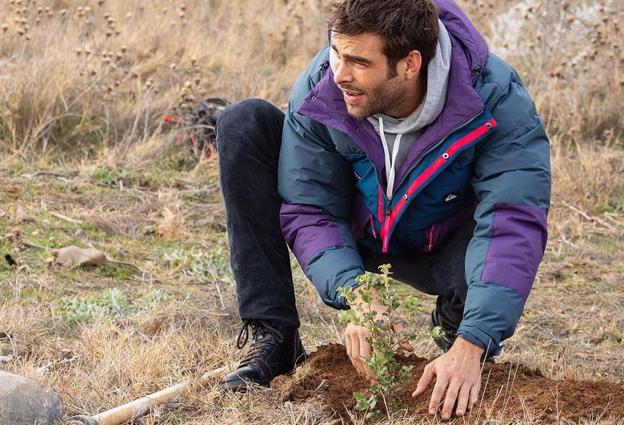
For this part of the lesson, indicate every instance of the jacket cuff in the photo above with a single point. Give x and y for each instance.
(480, 338)
(332, 269)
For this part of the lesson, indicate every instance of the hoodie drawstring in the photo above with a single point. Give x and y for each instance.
(390, 163)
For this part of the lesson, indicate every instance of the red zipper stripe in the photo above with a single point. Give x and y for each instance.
(425, 175)
(384, 235)
(372, 224)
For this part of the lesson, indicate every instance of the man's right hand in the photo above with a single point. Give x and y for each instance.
(358, 339)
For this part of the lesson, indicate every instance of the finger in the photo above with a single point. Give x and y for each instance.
(349, 343)
(437, 395)
(451, 397)
(424, 381)
(355, 346)
(366, 371)
(366, 351)
(462, 399)
(347, 339)
(474, 394)
(355, 354)
(365, 347)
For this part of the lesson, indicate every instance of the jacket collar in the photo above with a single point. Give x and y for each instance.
(325, 103)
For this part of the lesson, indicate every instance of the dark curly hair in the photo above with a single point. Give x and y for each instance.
(404, 25)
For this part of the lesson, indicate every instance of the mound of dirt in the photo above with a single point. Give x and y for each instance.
(509, 391)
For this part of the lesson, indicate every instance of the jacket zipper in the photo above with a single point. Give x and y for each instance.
(434, 146)
(386, 226)
(388, 210)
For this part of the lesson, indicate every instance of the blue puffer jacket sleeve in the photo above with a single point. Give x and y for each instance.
(316, 185)
(512, 183)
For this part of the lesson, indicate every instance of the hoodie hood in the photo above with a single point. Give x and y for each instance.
(435, 97)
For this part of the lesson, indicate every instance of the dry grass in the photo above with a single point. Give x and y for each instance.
(83, 88)
(82, 75)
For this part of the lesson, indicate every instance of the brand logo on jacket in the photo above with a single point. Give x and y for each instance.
(451, 197)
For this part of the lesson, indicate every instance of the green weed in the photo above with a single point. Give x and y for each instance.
(109, 177)
(199, 264)
(110, 304)
(390, 375)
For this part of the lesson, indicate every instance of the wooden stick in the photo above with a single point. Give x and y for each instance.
(141, 406)
(587, 216)
(65, 218)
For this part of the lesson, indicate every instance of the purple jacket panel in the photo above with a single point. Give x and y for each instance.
(458, 24)
(308, 231)
(519, 234)
(325, 105)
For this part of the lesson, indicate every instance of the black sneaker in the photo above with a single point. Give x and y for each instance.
(274, 351)
(445, 337)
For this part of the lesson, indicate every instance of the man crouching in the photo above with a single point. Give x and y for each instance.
(405, 142)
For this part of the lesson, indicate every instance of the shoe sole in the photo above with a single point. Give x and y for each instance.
(241, 385)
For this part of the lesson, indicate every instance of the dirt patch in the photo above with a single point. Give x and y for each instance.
(509, 391)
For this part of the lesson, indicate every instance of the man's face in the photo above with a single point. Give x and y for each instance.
(362, 72)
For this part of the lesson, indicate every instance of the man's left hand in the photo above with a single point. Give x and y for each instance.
(458, 374)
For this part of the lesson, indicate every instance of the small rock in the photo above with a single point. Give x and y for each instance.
(25, 402)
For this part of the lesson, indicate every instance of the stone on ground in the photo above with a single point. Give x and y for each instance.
(25, 402)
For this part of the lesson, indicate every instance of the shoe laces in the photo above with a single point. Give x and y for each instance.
(264, 337)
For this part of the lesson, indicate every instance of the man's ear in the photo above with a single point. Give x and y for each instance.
(411, 65)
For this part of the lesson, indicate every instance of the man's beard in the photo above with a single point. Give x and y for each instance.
(377, 100)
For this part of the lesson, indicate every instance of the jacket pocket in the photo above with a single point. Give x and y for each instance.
(438, 233)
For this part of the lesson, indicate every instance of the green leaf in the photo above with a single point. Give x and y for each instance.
(347, 316)
(366, 297)
(360, 402)
(437, 333)
(411, 304)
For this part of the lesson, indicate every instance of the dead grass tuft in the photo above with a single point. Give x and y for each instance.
(171, 226)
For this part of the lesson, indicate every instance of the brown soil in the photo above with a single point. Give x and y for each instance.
(509, 391)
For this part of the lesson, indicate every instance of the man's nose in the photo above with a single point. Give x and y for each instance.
(342, 74)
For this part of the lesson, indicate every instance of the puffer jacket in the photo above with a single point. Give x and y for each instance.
(486, 156)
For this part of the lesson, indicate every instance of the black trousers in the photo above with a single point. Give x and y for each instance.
(249, 135)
